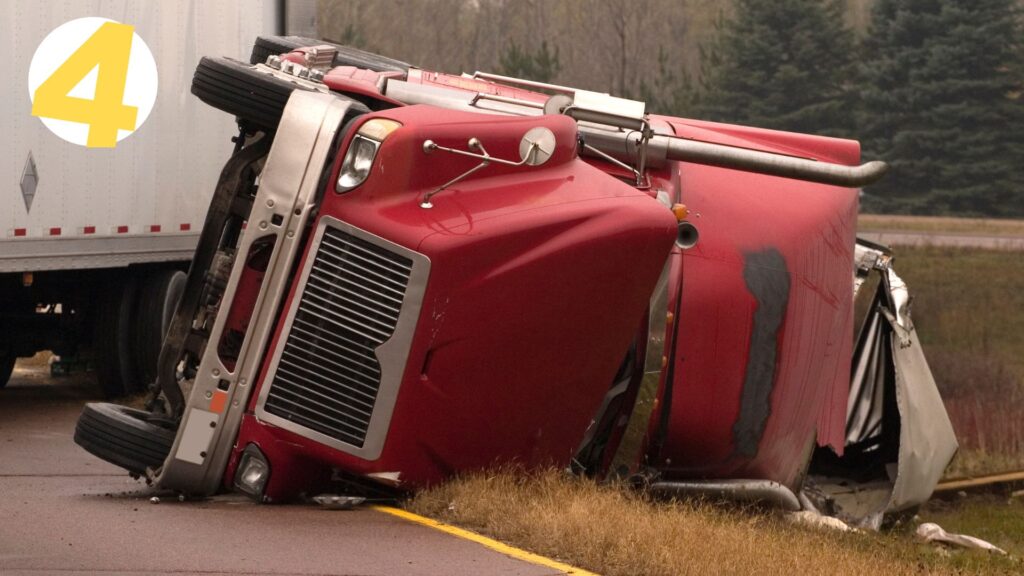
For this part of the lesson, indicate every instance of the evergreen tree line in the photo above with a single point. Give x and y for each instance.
(933, 87)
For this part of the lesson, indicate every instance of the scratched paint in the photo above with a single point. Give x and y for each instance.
(767, 279)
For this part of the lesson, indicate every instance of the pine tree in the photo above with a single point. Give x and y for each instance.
(783, 64)
(540, 65)
(942, 104)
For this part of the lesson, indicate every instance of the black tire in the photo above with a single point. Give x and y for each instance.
(126, 437)
(112, 340)
(346, 56)
(6, 368)
(158, 297)
(236, 88)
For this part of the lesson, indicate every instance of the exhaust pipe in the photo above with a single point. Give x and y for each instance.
(624, 146)
(687, 235)
(775, 164)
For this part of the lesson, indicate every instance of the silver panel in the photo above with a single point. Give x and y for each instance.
(195, 439)
(76, 253)
(628, 452)
(337, 375)
(288, 188)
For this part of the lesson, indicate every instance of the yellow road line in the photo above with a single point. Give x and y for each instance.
(485, 541)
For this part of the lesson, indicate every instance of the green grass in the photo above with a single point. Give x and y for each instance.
(968, 308)
(993, 518)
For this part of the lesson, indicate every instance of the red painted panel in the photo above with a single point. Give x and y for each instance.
(811, 229)
(526, 265)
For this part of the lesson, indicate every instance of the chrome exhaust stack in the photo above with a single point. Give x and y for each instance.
(698, 152)
(619, 130)
(634, 133)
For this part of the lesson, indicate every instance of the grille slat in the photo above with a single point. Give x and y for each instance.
(328, 378)
(319, 312)
(377, 292)
(312, 418)
(328, 375)
(331, 300)
(377, 303)
(375, 253)
(391, 273)
(328, 402)
(324, 263)
(333, 353)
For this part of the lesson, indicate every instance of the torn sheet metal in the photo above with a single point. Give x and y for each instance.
(927, 440)
(899, 439)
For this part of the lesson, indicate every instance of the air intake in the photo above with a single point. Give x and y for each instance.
(328, 376)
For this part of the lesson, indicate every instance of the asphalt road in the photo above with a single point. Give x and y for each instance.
(64, 512)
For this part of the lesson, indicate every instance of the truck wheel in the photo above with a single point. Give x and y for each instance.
(346, 56)
(6, 368)
(237, 88)
(158, 297)
(126, 437)
(112, 341)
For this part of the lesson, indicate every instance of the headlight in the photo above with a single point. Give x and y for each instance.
(355, 168)
(252, 473)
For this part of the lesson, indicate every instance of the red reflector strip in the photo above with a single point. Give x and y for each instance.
(89, 230)
(122, 229)
(154, 228)
(54, 231)
(185, 227)
(18, 232)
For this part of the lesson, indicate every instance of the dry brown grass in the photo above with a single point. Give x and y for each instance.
(940, 225)
(613, 530)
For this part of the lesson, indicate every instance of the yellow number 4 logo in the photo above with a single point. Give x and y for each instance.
(109, 48)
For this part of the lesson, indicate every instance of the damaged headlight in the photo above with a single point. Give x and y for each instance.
(355, 168)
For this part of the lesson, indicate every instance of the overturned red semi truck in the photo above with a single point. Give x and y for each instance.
(406, 275)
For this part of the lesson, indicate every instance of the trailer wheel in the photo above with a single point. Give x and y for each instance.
(237, 88)
(126, 437)
(158, 298)
(346, 56)
(6, 368)
(112, 340)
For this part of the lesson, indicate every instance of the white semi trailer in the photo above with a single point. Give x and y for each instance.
(94, 242)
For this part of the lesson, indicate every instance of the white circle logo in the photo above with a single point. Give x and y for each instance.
(92, 82)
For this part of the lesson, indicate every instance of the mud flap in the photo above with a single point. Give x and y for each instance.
(899, 438)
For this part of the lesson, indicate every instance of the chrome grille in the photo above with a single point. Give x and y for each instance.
(328, 376)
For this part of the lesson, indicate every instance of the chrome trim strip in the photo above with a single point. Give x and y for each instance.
(288, 187)
(392, 355)
(627, 455)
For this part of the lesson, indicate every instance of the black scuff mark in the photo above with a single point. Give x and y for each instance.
(767, 279)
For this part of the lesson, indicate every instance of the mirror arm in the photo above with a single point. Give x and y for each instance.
(430, 146)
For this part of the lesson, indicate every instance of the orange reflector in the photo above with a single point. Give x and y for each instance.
(219, 400)
(27, 278)
(681, 211)
(669, 318)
